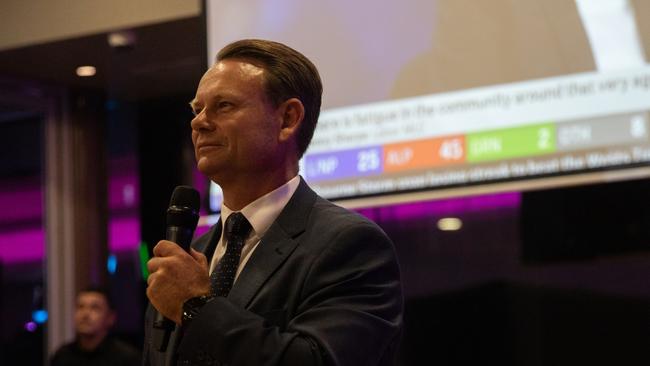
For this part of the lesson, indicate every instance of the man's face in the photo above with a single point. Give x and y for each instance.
(235, 129)
(92, 316)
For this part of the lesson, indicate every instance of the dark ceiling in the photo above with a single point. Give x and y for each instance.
(165, 59)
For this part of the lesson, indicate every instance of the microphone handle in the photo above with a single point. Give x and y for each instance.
(183, 237)
(180, 235)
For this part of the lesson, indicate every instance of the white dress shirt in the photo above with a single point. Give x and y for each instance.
(261, 213)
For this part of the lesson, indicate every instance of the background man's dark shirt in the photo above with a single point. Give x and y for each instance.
(111, 352)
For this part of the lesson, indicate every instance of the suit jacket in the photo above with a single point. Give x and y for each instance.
(322, 288)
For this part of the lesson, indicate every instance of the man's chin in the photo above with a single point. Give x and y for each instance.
(209, 169)
(85, 332)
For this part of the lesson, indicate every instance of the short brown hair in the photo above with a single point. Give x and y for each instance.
(289, 74)
(102, 290)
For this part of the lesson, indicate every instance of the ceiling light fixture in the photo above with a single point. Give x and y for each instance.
(122, 40)
(86, 71)
(449, 224)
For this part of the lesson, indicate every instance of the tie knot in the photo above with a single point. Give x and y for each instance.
(237, 225)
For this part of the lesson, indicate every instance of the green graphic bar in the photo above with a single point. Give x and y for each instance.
(511, 143)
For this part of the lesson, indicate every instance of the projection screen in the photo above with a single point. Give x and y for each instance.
(425, 99)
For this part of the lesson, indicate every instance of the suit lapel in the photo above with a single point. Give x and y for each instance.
(276, 245)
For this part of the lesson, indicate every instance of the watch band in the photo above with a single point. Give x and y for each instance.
(192, 307)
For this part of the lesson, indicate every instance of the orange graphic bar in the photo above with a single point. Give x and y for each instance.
(424, 153)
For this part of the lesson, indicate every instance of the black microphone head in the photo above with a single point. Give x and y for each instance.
(185, 196)
(184, 207)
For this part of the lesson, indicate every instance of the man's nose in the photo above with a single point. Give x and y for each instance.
(200, 122)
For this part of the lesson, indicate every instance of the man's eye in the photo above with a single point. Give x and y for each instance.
(224, 104)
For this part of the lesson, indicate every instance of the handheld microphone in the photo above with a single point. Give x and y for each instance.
(182, 217)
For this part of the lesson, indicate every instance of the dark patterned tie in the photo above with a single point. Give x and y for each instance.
(235, 232)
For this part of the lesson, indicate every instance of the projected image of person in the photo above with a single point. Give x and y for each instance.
(94, 317)
(486, 43)
(612, 33)
(285, 277)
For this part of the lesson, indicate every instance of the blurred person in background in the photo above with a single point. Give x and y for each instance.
(94, 317)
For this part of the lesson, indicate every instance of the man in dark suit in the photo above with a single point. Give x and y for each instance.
(314, 284)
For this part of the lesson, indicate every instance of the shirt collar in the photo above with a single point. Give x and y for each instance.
(262, 212)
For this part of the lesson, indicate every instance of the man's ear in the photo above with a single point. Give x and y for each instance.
(292, 113)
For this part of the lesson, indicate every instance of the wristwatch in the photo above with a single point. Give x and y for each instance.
(192, 307)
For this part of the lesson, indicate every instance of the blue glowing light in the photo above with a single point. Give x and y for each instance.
(111, 264)
(39, 316)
